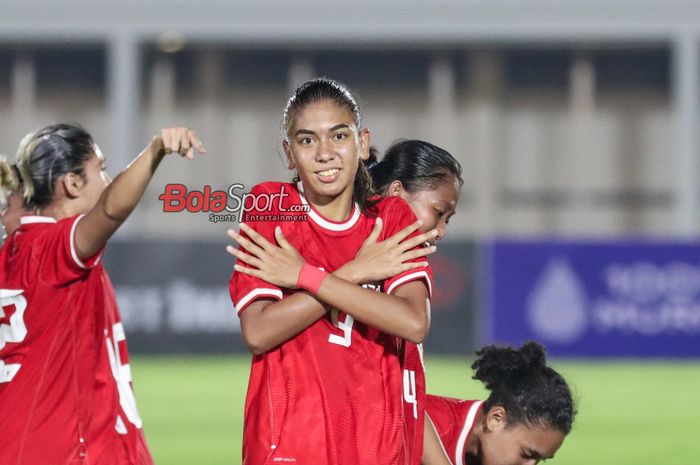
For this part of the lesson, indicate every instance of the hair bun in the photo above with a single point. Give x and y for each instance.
(509, 367)
(9, 175)
(533, 355)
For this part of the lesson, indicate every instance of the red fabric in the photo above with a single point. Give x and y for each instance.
(454, 420)
(332, 394)
(413, 399)
(70, 400)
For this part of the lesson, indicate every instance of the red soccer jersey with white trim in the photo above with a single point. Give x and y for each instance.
(65, 383)
(332, 394)
(454, 421)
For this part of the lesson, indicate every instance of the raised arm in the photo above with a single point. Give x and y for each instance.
(121, 197)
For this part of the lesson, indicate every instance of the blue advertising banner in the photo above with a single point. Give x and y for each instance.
(595, 298)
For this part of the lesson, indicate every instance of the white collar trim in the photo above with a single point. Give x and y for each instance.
(324, 223)
(36, 219)
(466, 429)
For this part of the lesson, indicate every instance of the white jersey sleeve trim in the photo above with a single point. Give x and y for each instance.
(269, 292)
(412, 277)
(466, 429)
(73, 252)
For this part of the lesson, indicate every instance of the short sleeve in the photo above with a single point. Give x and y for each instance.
(397, 215)
(454, 421)
(244, 288)
(57, 255)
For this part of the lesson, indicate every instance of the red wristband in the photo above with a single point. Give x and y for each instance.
(310, 278)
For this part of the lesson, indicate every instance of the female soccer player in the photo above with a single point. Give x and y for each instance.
(525, 419)
(65, 383)
(325, 385)
(426, 176)
(429, 179)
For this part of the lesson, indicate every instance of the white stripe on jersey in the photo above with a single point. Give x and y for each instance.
(321, 221)
(410, 277)
(468, 424)
(255, 293)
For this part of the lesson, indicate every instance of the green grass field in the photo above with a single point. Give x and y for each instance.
(630, 413)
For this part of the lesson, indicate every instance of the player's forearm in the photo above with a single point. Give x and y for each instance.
(433, 450)
(265, 324)
(350, 273)
(124, 193)
(116, 203)
(406, 316)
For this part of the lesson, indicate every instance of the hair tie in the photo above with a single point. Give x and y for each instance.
(372, 165)
(46, 136)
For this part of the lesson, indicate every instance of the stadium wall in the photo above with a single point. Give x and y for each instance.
(581, 298)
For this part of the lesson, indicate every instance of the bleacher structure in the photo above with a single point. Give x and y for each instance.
(573, 117)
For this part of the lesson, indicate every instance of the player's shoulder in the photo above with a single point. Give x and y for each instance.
(395, 213)
(448, 403)
(272, 197)
(27, 246)
(393, 205)
(36, 230)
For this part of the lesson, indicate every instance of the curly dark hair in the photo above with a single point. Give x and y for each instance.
(521, 382)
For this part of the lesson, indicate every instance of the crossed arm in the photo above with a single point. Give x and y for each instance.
(267, 323)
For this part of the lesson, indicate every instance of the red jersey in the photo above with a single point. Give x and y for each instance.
(333, 393)
(454, 421)
(414, 399)
(65, 382)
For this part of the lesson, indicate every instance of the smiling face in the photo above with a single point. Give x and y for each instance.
(434, 206)
(325, 147)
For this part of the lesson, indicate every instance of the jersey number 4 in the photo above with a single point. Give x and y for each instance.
(16, 331)
(409, 390)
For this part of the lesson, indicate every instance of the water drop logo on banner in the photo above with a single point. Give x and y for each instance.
(597, 298)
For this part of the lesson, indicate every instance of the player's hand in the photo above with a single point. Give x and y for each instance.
(179, 140)
(278, 264)
(377, 261)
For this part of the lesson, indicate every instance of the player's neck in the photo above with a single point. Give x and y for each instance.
(57, 211)
(473, 446)
(336, 208)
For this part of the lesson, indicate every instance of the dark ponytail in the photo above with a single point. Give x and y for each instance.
(417, 164)
(521, 382)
